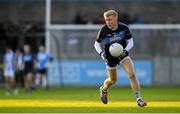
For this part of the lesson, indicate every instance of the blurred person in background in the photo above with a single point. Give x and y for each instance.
(28, 61)
(79, 19)
(9, 71)
(43, 61)
(19, 67)
(136, 19)
(125, 18)
(110, 33)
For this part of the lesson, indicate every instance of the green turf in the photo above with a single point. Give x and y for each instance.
(91, 110)
(92, 93)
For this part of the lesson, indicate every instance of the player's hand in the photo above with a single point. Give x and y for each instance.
(103, 56)
(125, 53)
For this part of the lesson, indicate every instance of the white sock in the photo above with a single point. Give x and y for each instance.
(44, 81)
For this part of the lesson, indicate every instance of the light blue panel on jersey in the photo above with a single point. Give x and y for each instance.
(93, 72)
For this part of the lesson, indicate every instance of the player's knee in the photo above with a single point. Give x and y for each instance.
(132, 75)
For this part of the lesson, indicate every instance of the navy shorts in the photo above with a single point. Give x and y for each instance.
(42, 71)
(114, 61)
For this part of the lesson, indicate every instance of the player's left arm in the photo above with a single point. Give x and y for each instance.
(50, 56)
(129, 39)
(130, 44)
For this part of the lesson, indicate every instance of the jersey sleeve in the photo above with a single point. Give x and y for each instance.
(128, 33)
(49, 55)
(99, 35)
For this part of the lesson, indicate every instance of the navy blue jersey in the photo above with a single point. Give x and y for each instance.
(107, 36)
(28, 61)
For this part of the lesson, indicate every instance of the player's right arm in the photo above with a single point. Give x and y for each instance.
(97, 45)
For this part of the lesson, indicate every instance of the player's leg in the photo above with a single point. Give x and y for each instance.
(7, 81)
(13, 82)
(21, 78)
(44, 79)
(112, 78)
(37, 79)
(29, 75)
(7, 84)
(17, 78)
(27, 82)
(127, 66)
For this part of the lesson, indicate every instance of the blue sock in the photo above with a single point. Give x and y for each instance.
(138, 94)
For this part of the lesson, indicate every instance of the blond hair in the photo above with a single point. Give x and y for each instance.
(110, 12)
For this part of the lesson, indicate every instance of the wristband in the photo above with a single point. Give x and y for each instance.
(100, 53)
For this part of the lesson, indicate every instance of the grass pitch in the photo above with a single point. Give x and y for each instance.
(86, 100)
